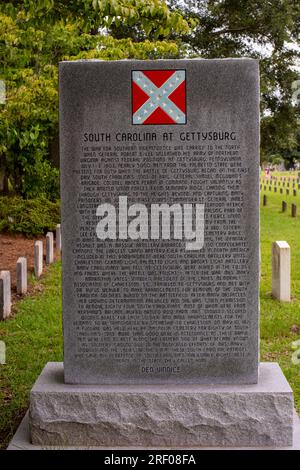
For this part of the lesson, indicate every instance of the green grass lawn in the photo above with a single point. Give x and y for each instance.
(280, 322)
(34, 335)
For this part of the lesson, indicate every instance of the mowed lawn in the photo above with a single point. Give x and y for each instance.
(33, 336)
(280, 322)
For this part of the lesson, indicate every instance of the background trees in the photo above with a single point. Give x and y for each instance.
(265, 30)
(36, 35)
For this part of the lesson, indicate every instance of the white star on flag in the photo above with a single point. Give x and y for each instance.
(158, 97)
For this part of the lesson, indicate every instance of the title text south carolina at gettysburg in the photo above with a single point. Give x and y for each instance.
(184, 136)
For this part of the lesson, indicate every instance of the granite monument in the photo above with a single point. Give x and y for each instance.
(160, 236)
(159, 180)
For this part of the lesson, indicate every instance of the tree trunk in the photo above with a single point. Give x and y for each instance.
(3, 182)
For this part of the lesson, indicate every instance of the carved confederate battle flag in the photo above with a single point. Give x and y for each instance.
(158, 97)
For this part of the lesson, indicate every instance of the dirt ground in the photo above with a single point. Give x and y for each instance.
(13, 246)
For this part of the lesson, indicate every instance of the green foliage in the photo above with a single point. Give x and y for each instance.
(27, 120)
(109, 48)
(275, 159)
(35, 36)
(152, 17)
(41, 180)
(268, 31)
(30, 217)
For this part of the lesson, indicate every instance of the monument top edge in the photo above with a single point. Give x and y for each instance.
(123, 61)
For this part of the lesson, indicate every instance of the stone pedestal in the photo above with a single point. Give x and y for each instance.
(219, 416)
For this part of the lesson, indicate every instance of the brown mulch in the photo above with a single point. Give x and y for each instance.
(13, 246)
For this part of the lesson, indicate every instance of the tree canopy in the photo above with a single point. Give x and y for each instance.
(36, 35)
(265, 30)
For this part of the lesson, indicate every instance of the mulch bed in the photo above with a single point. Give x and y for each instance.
(13, 246)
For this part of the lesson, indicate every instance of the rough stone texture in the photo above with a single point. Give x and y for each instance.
(157, 415)
(49, 248)
(22, 441)
(157, 306)
(38, 258)
(21, 275)
(5, 294)
(281, 271)
(58, 237)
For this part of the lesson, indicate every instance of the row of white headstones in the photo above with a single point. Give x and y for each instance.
(281, 271)
(21, 270)
(281, 252)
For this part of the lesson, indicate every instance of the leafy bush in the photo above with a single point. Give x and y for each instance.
(30, 217)
(35, 36)
(41, 179)
(276, 159)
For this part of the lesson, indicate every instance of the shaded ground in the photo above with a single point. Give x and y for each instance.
(13, 246)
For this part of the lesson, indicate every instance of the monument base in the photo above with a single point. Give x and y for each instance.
(22, 441)
(103, 416)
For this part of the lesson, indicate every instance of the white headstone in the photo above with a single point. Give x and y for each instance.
(22, 275)
(49, 248)
(38, 258)
(5, 294)
(281, 271)
(2, 352)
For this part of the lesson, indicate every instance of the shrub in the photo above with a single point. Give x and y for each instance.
(41, 179)
(28, 216)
